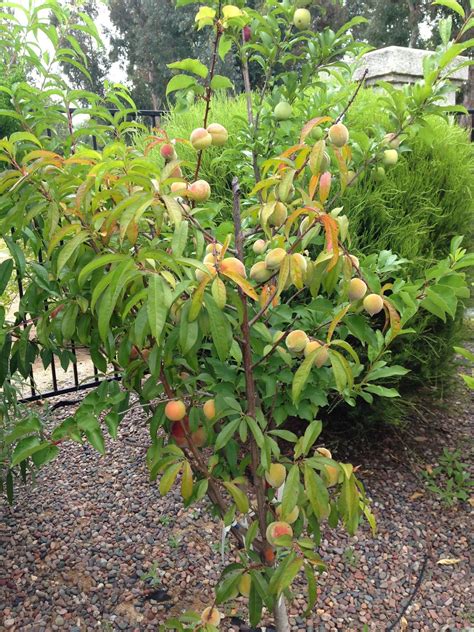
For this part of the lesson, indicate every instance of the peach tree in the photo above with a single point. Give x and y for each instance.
(223, 338)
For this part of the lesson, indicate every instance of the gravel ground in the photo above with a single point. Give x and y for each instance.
(77, 544)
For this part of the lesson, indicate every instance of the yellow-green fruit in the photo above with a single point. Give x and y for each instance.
(214, 247)
(276, 475)
(178, 187)
(274, 258)
(279, 215)
(211, 615)
(232, 264)
(278, 530)
(390, 157)
(296, 341)
(332, 471)
(209, 258)
(244, 584)
(200, 138)
(316, 133)
(200, 274)
(351, 178)
(302, 19)
(200, 191)
(218, 133)
(357, 289)
(354, 260)
(392, 139)
(338, 135)
(259, 272)
(300, 262)
(283, 111)
(373, 304)
(175, 411)
(325, 162)
(291, 517)
(380, 174)
(277, 336)
(321, 357)
(259, 246)
(209, 409)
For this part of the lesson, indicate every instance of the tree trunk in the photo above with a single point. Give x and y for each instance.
(413, 21)
(280, 614)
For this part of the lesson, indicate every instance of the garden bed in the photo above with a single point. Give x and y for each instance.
(79, 544)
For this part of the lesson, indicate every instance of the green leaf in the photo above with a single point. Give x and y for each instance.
(47, 454)
(227, 585)
(312, 588)
(221, 331)
(316, 492)
(255, 605)
(112, 421)
(228, 430)
(25, 448)
(382, 391)
(225, 44)
(289, 573)
(348, 504)
(291, 491)
(190, 65)
(302, 375)
(180, 82)
(453, 5)
(118, 280)
(239, 496)
(219, 82)
(174, 209)
(256, 431)
(70, 248)
(158, 303)
(6, 269)
(180, 238)
(168, 478)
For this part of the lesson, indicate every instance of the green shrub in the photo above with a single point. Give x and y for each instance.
(8, 125)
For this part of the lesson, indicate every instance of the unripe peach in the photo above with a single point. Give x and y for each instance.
(355, 261)
(332, 471)
(316, 133)
(274, 258)
(283, 111)
(200, 191)
(209, 258)
(302, 19)
(300, 261)
(212, 616)
(276, 475)
(199, 437)
(175, 410)
(178, 432)
(390, 157)
(373, 304)
(380, 174)
(296, 341)
(259, 246)
(259, 272)
(357, 289)
(200, 138)
(279, 215)
(338, 135)
(321, 357)
(392, 139)
(168, 152)
(178, 187)
(218, 133)
(291, 517)
(351, 177)
(325, 162)
(244, 584)
(277, 336)
(209, 409)
(176, 173)
(277, 530)
(214, 247)
(200, 274)
(232, 264)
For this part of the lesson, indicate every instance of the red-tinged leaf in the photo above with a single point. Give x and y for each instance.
(291, 150)
(313, 185)
(316, 157)
(265, 184)
(331, 229)
(292, 218)
(335, 321)
(324, 186)
(394, 318)
(307, 127)
(244, 285)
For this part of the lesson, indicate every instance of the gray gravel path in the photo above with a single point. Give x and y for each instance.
(77, 544)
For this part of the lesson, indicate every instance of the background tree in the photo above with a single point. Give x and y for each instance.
(94, 54)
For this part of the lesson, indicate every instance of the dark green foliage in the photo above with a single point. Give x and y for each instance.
(8, 77)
